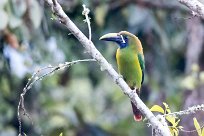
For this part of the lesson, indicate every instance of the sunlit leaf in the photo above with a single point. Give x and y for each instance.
(175, 130)
(171, 131)
(177, 122)
(197, 126)
(203, 132)
(167, 110)
(61, 134)
(157, 108)
(171, 119)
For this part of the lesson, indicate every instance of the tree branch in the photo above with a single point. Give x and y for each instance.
(190, 110)
(39, 75)
(90, 49)
(195, 6)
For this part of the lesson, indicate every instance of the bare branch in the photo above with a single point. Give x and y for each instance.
(163, 122)
(90, 48)
(39, 75)
(194, 6)
(190, 110)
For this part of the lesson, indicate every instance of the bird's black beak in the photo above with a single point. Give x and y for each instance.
(114, 37)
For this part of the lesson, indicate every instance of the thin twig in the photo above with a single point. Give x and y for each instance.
(190, 110)
(85, 12)
(36, 77)
(191, 131)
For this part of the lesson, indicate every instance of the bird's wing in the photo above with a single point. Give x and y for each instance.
(142, 64)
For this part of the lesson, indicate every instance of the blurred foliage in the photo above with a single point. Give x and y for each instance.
(83, 100)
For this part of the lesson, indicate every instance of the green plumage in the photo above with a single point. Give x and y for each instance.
(130, 60)
(129, 67)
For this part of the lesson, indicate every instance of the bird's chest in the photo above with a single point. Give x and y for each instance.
(129, 67)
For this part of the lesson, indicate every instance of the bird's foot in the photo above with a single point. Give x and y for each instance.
(134, 90)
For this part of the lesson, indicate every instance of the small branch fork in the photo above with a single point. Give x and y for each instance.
(105, 66)
(39, 75)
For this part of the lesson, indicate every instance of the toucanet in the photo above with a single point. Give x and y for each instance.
(130, 61)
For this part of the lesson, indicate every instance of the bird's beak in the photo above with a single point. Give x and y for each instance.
(111, 37)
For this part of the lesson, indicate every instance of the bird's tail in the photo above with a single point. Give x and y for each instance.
(136, 112)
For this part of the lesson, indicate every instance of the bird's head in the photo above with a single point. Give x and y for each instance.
(120, 38)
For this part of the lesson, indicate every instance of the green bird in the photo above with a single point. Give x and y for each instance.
(130, 61)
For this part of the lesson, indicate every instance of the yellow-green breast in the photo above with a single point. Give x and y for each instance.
(129, 66)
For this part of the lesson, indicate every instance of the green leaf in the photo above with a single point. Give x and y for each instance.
(176, 124)
(203, 132)
(167, 110)
(197, 126)
(171, 119)
(176, 132)
(61, 134)
(157, 108)
(171, 131)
